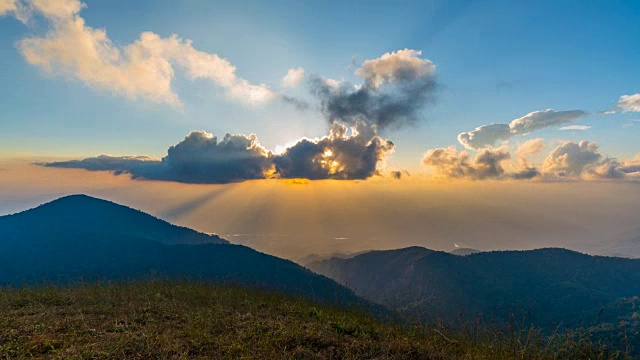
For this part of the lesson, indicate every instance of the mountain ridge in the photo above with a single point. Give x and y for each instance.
(548, 286)
(91, 215)
(79, 238)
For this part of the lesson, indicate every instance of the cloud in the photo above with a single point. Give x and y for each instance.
(144, 69)
(487, 163)
(522, 153)
(629, 103)
(576, 127)
(396, 88)
(485, 136)
(584, 160)
(402, 66)
(528, 148)
(488, 135)
(15, 8)
(7, 6)
(606, 169)
(568, 161)
(199, 158)
(631, 166)
(299, 104)
(345, 154)
(340, 155)
(398, 174)
(293, 78)
(451, 163)
(138, 166)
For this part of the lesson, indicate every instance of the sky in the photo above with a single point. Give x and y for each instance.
(380, 96)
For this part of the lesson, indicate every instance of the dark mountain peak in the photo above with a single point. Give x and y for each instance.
(411, 251)
(79, 197)
(79, 203)
(83, 214)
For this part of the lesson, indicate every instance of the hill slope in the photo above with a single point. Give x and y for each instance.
(546, 287)
(79, 238)
(191, 320)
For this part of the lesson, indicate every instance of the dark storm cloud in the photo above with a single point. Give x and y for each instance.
(199, 158)
(137, 166)
(346, 153)
(396, 88)
(337, 156)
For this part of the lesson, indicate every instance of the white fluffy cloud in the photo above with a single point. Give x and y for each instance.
(399, 66)
(488, 135)
(568, 161)
(485, 136)
(583, 160)
(293, 78)
(451, 163)
(143, 69)
(629, 103)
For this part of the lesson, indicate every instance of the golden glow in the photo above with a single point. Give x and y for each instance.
(295, 181)
(281, 217)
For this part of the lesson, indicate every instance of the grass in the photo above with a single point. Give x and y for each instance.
(195, 320)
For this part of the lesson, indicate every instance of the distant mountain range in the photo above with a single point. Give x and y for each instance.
(546, 287)
(315, 257)
(626, 245)
(80, 238)
(464, 251)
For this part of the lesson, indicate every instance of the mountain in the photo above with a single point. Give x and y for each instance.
(80, 238)
(545, 287)
(315, 257)
(85, 215)
(464, 251)
(626, 244)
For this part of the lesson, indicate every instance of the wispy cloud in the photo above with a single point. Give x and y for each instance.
(144, 69)
(488, 135)
(576, 127)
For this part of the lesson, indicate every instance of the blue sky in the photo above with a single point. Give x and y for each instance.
(496, 61)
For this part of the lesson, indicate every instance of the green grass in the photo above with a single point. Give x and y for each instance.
(192, 320)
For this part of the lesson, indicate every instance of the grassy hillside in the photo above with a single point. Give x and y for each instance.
(190, 320)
